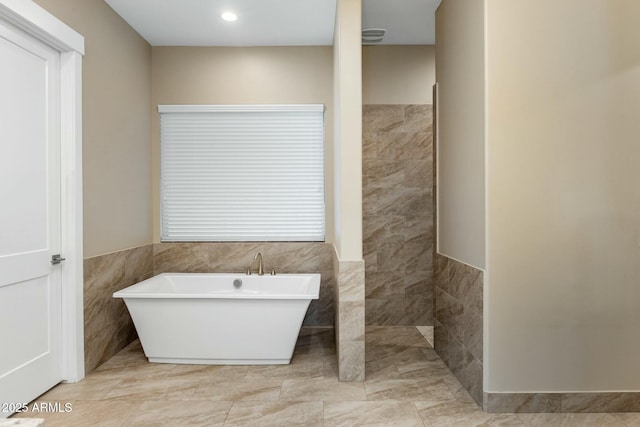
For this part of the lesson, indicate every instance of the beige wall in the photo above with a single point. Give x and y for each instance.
(398, 74)
(461, 130)
(347, 54)
(564, 199)
(116, 129)
(242, 75)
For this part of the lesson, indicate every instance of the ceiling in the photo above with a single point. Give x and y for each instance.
(406, 21)
(271, 22)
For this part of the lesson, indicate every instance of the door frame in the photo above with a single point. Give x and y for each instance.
(40, 24)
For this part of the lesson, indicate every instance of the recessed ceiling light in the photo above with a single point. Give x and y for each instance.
(229, 16)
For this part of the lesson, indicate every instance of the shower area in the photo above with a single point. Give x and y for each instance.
(398, 185)
(398, 232)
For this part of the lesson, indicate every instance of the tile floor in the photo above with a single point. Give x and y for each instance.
(407, 385)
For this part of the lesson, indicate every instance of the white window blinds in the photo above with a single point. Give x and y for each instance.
(242, 172)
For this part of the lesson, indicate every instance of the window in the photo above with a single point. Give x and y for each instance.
(242, 172)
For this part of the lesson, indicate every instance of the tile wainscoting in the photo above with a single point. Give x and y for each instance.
(350, 312)
(398, 230)
(562, 402)
(458, 332)
(232, 257)
(107, 325)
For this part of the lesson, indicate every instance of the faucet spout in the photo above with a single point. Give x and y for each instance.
(260, 264)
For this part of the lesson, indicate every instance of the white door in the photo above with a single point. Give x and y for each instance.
(30, 223)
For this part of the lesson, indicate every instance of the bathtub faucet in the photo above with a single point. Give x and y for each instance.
(260, 265)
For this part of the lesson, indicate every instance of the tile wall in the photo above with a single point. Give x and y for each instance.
(458, 330)
(287, 257)
(398, 230)
(350, 313)
(562, 402)
(107, 324)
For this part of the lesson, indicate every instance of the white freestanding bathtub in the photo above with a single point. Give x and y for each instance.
(220, 318)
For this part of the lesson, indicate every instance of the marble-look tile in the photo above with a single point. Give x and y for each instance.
(459, 326)
(385, 285)
(299, 257)
(321, 389)
(370, 201)
(416, 200)
(418, 173)
(142, 389)
(401, 371)
(24, 422)
(599, 402)
(379, 229)
(225, 257)
(107, 324)
(389, 413)
(351, 281)
(351, 320)
(102, 275)
(381, 369)
(103, 271)
(458, 359)
(369, 145)
(391, 312)
(200, 374)
(471, 378)
(456, 413)
(395, 335)
(414, 359)
(449, 312)
(91, 388)
(628, 419)
(382, 117)
(275, 413)
(472, 333)
(420, 310)
(419, 283)
(417, 256)
(421, 146)
(390, 257)
(465, 284)
(89, 413)
(351, 360)
(405, 144)
(398, 226)
(396, 144)
(572, 420)
(267, 389)
(418, 115)
(384, 174)
(370, 261)
(305, 369)
(441, 272)
(522, 402)
(419, 228)
(401, 200)
(138, 264)
(441, 341)
(405, 389)
(203, 413)
(181, 258)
